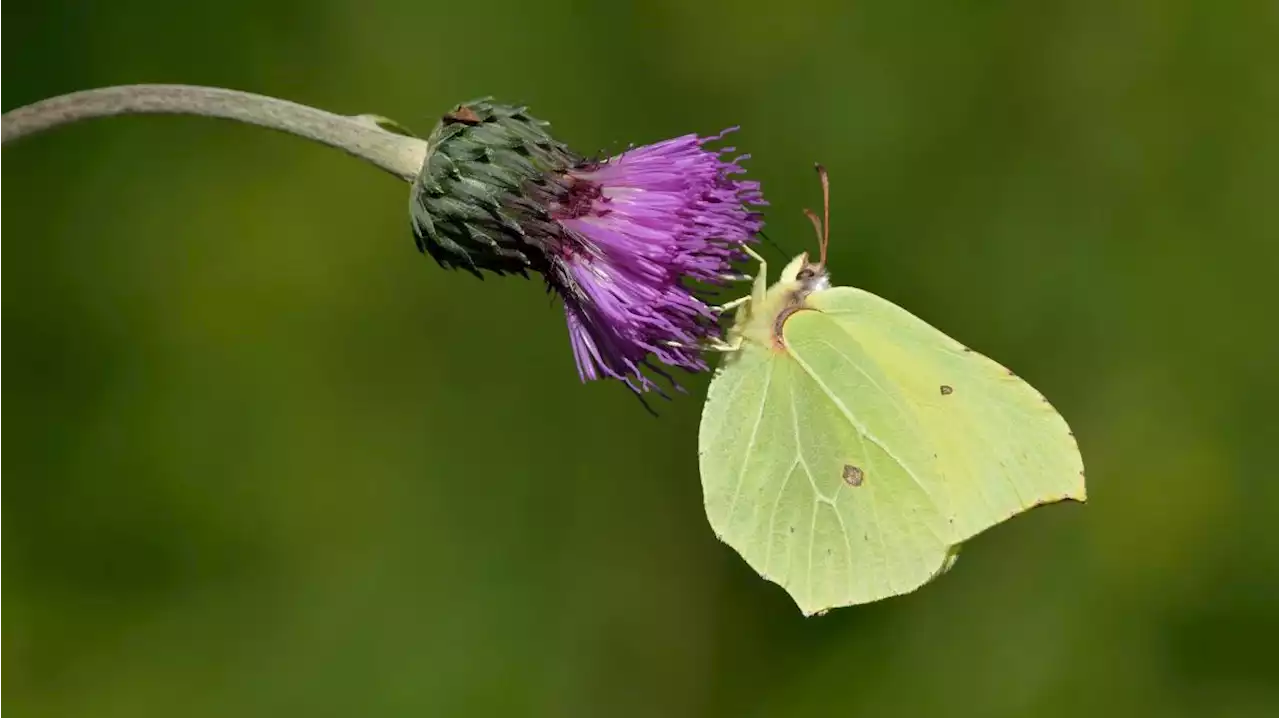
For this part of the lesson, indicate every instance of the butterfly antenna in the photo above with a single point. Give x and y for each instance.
(774, 244)
(825, 236)
(817, 228)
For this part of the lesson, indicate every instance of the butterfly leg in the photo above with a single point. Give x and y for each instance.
(719, 345)
(713, 345)
(759, 285)
(731, 305)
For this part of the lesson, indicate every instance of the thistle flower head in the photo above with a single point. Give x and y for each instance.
(630, 243)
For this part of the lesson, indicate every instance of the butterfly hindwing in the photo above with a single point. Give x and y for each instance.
(794, 486)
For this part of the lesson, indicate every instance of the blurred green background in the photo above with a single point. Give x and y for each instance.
(266, 459)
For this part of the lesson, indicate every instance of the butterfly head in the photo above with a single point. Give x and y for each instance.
(810, 276)
(813, 276)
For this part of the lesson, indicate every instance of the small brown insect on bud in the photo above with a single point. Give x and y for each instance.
(463, 115)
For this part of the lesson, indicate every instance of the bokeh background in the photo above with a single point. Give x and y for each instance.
(265, 459)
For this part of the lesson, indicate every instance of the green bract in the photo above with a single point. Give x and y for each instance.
(491, 171)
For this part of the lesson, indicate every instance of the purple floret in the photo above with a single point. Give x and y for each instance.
(638, 229)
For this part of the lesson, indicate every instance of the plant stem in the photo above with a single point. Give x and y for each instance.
(400, 155)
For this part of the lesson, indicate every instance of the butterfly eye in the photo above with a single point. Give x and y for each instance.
(805, 273)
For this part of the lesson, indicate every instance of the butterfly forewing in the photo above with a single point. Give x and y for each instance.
(1002, 448)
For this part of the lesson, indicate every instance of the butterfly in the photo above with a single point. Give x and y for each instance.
(847, 448)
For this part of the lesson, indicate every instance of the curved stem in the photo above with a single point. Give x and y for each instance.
(400, 155)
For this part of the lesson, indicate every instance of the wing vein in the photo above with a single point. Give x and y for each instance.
(813, 529)
(848, 546)
(795, 428)
(813, 519)
(875, 505)
(862, 429)
(751, 443)
(773, 515)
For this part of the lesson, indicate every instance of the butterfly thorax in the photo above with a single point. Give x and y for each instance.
(761, 321)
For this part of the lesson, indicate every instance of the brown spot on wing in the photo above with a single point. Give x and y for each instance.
(852, 475)
(944, 389)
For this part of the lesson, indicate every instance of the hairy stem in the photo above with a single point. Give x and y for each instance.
(361, 136)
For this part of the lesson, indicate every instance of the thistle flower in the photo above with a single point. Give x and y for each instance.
(630, 243)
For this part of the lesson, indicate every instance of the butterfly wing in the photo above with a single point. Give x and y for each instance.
(984, 444)
(803, 491)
